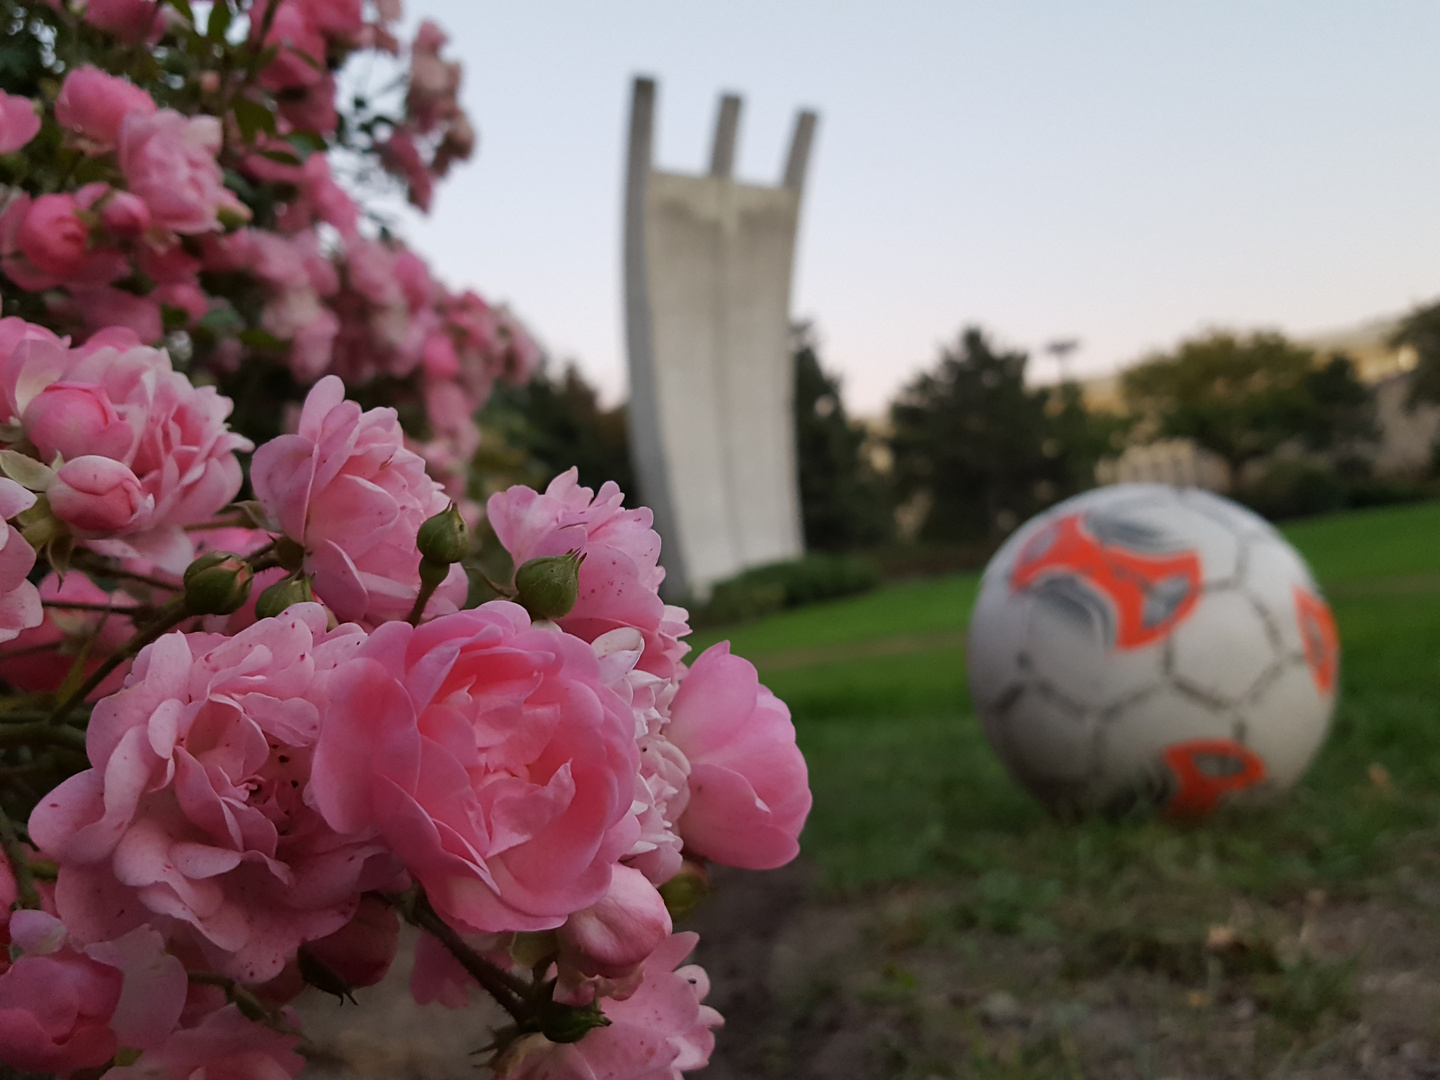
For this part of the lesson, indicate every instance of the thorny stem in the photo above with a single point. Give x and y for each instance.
(80, 605)
(244, 999)
(102, 570)
(19, 862)
(223, 523)
(509, 991)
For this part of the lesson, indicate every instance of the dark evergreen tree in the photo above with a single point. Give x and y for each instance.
(986, 450)
(557, 423)
(842, 499)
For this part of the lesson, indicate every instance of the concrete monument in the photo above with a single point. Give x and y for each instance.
(707, 306)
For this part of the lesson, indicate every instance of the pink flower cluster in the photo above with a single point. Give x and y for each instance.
(347, 490)
(165, 184)
(270, 729)
(129, 452)
(249, 793)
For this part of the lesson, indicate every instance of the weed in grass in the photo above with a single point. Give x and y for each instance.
(1307, 991)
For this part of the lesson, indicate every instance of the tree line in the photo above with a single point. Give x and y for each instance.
(969, 448)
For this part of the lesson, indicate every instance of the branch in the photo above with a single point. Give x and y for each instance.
(19, 862)
(168, 617)
(505, 988)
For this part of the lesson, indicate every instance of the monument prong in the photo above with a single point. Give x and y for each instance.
(727, 125)
(708, 263)
(798, 159)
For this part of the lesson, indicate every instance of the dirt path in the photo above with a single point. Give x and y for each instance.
(888, 986)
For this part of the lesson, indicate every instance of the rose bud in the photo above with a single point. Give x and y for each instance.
(217, 583)
(53, 237)
(549, 585)
(276, 598)
(444, 538)
(124, 215)
(97, 495)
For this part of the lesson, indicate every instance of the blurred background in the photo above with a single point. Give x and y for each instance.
(1043, 246)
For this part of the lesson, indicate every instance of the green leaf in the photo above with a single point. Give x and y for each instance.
(220, 19)
(307, 143)
(283, 157)
(257, 338)
(183, 7)
(25, 471)
(253, 118)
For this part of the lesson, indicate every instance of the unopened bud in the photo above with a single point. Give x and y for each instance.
(683, 892)
(568, 1024)
(322, 976)
(217, 583)
(276, 598)
(549, 585)
(444, 537)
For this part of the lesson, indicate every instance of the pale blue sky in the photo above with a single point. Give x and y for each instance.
(1124, 173)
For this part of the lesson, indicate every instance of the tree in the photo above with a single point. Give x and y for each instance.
(1421, 331)
(1242, 397)
(558, 423)
(986, 450)
(842, 499)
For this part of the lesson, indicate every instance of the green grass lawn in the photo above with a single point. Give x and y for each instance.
(906, 788)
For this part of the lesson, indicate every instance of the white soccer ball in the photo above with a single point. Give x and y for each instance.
(1148, 645)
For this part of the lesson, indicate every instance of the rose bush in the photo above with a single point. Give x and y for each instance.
(252, 718)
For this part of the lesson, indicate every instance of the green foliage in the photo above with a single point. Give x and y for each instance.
(1421, 331)
(553, 424)
(986, 450)
(906, 787)
(765, 589)
(1244, 397)
(843, 502)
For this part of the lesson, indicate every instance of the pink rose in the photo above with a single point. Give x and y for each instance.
(93, 105)
(361, 951)
(340, 20)
(620, 577)
(80, 402)
(602, 946)
(19, 122)
(491, 757)
(73, 419)
(749, 793)
(103, 307)
(401, 156)
(124, 215)
(53, 237)
(662, 787)
(196, 812)
(19, 600)
(300, 58)
(132, 21)
(658, 1033)
(223, 1046)
(169, 161)
(63, 1008)
(346, 489)
(98, 496)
